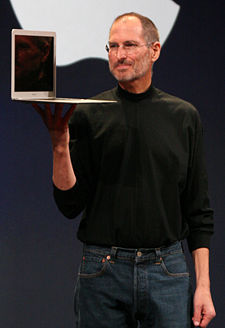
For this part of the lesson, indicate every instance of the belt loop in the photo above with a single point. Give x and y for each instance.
(158, 255)
(182, 246)
(114, 250)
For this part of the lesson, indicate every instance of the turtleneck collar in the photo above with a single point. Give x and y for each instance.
(134, 96)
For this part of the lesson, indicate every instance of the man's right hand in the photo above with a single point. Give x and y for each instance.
(56, 124)
(63, 174)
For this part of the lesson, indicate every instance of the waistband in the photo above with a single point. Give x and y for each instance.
(132, 253)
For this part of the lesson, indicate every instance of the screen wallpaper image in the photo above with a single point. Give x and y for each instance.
(33, 63)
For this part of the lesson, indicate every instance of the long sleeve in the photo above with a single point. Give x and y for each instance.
(195, 200)
(73, 201)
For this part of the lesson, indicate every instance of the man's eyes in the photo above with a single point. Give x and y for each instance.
(22, 46)
(126, 45)
(113, 46)
(130, 45)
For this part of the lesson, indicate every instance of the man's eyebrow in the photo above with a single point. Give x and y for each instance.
(126, 41)
(130, 41)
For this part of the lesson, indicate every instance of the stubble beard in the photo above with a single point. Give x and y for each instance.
(139, 69)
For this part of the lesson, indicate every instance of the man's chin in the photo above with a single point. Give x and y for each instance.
(123, 77)
(125, 80)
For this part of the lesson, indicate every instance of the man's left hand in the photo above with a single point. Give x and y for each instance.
(204, 310)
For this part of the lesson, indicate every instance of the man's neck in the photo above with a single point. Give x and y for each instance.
(136, 86)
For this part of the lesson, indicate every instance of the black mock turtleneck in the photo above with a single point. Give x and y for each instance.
(141, 179)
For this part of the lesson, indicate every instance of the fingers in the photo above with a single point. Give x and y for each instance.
(59, 118)
(202, 318)
(48, 114)
(205, 321)
(58, 110)
(44, 113)
(197, 316)
(38, 109)
(69, 113)
(54, 120)
(206, 318)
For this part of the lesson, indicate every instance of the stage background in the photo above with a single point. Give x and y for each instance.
(39, 252)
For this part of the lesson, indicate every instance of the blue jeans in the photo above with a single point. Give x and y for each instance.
(127, 288)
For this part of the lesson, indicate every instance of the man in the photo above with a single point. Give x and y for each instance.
(136, 169)
(33, 57)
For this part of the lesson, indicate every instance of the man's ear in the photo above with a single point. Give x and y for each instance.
(155, 51)
(46, 52)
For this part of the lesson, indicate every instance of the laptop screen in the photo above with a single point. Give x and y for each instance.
(33, 63)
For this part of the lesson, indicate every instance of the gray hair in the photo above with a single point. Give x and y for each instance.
(150, 31)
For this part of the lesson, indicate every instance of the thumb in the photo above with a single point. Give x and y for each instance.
(197, 316)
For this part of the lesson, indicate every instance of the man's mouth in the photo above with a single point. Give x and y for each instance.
(122, 66)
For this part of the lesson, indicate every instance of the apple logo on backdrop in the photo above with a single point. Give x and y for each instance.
(82, 26)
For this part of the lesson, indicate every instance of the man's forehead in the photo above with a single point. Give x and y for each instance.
(128, 26)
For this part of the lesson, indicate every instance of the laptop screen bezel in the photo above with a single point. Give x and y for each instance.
(31, 94)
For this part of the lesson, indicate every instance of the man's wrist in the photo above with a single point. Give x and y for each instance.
(60, 150)
(203, 283)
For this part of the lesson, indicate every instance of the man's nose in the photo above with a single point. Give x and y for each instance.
(121, 52)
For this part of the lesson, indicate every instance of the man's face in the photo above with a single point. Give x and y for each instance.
(27, 57)
(129, 66)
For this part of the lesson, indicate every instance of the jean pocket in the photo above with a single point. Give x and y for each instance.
(93, 266)
(175, 265)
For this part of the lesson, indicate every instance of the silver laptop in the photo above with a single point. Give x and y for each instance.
(33, 68)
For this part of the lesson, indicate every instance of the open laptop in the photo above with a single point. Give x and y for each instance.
(33, 68)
